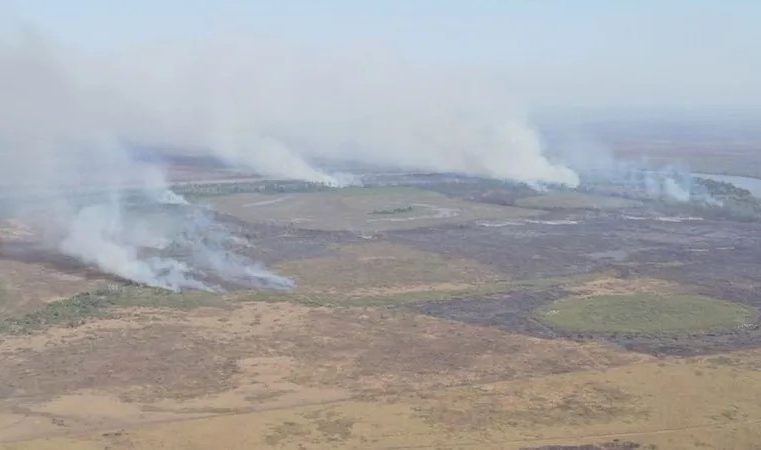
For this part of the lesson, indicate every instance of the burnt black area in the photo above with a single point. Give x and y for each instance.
(242, 242)
(721, 259)
(511, 311)
(531, 250)
(514, 312)
(717, 258)
(272, 243)
(47, 256)
(264, 242)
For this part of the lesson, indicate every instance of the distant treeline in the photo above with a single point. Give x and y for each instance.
(726, 199)
(248, 187)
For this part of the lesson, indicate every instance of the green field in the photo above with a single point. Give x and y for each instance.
(99, 303)
(646, 313)
(362, 209)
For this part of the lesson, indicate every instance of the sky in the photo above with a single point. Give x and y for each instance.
(688, 53)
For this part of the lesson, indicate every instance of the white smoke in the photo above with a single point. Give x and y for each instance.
(97, 236)
(61, 159)
(663, 185)
(276, 107)
(265, 105)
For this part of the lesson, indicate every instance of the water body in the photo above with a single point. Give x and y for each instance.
(749, 183)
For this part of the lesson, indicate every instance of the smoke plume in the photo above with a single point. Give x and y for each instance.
(63, 162)
(68, 120)
(276, 107)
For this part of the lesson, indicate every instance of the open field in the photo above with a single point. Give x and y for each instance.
(362, 209)
(647, 313)
(410, 326)
(661, 405)
(99, 303)
(26, 287)
(162, 361)
(381, 267)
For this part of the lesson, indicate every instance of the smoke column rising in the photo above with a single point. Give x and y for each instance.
(265, 105)
(60, 153)
(275, 107)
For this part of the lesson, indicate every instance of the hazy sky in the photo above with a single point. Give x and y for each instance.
(638, 53)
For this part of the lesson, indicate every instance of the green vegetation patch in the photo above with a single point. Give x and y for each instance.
(393, 300)
(100, 303)
(197, 191)
(646, 313)
(381, 300)
(373, 265)
(362, 209)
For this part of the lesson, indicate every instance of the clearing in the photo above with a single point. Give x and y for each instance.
(646, 313)
(362, 209)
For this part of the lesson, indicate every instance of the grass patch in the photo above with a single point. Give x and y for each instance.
(344, 300)
(349, 300)
(285, 431)
(392, 300)
(100, 303)
(383, 266)
(395, 300)
(646, 313)
(587, 403)
(362, 209)
(199, 191)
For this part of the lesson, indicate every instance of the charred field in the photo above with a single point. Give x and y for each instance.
(428, 310)
(719, 259)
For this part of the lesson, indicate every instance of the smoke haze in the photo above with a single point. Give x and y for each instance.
(71, 116)
(69, 119)
(275, 107)
(267, 106)
(63, 160)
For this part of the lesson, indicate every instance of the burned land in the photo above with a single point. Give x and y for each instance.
(433, 311)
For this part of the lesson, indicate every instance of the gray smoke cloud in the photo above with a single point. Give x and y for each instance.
(276, 107)
(63, 163)
(68, 119)
(164, 242)
(595, 163)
